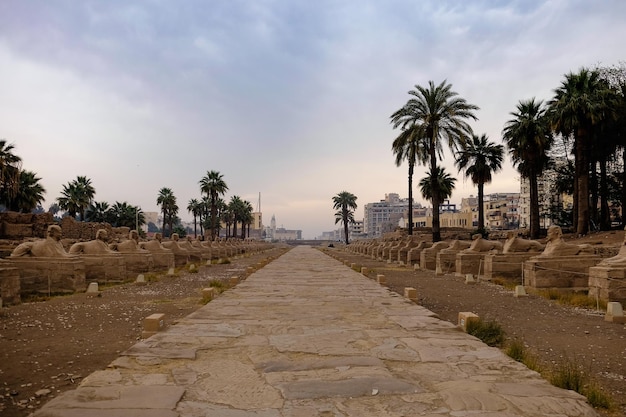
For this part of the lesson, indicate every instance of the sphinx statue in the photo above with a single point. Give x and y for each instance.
(50, 247)
(181, 255)
(163, 257)
(617, 261)
(98, 246)
(515, 244)
(479, 244)
(556, 246)
(129, 245)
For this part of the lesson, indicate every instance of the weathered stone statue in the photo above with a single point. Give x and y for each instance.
(50, 247)
(514, 244)
(181, 255)
(556, 246)
(129, 245)
(163, 258)
(479, 244)
(617, 261)
(98, 246)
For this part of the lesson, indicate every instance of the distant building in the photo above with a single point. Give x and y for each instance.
(280, 233)
(551, 202)
(383, 217)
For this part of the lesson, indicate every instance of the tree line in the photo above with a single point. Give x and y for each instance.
(21, 191)
(583, 124)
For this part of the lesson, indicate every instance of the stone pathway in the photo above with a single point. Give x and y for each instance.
(307, 336)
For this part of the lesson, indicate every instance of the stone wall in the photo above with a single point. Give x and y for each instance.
(18, 226)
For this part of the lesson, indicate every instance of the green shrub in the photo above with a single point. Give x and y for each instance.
(489, 332)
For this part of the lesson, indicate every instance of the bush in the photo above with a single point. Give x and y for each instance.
(489, 332)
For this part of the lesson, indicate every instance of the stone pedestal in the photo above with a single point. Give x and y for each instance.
(470, 263)
(413, 257)
(137, 263)
(506, 265)
(608, 283)
(428, 256)
(49, 275)
(561, 272)
(446, 262)
(105, 268)
(9, 286)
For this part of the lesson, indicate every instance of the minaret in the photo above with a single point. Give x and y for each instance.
(273, 225)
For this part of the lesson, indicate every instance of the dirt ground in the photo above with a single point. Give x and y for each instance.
(47, 347)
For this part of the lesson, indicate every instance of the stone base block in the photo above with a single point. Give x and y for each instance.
(234, 281)
(364, 270)
(446, 262)
(49, 275)
(607, 284)
(465, 317)
(381, 279)
(505, 265)
(469, 263)
(10, 286)
(615, 313)
(105, 268)
(563, 272)
(137, 263)
(208, 293)
(428, 259)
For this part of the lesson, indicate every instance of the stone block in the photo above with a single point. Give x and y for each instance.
(49, 275)
(505, 265)
(614, 313)
(208, 293)
(105, 268)
(469, 263)
(445, 262)
(234, 281)
(607, 283)
(465, 317)
(364, 270)
(520, 291)
(381, 279)
(153, 324)
(92, 290)
(559, 272)
(410, 293)
(10, 286)
(469, 279)
(137, 263)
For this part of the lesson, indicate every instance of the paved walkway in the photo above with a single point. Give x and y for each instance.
(308, 337)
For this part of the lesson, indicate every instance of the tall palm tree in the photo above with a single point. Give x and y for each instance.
(236, 207)
(169, 209)
(247, 219)
(409, 146)
(345, 204)
(442, 181)
(436, 113)
(193, 207)
(30, 193)
(479, 158)
(98, 212)
(126, 215)
(86, 192)
(10, 168)
(528, 138)
(70, 199)
(578, 106)
(213, 185)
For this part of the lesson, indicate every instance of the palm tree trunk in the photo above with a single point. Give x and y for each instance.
(345, 225)
(410, 198)
(435, 192)
(605, 215)
(623, 187)
(534, 207)
(481, 207)
(582, 179)
(593, 193)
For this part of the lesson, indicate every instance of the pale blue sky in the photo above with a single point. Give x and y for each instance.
(287, 98)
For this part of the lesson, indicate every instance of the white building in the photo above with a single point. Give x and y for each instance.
(383, 216)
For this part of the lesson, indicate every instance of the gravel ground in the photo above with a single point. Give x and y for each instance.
(47, 347)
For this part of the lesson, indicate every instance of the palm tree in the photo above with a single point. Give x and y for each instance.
(126, 215)
(30, 193)
(578, 106)
(345, 204)
(436, 113)
(10, 168)
(236, 208)
(247, 219)
(98, 212)
(86, 192)
(480, 158)
(213, 185)
(528, 138)
(169, 209)
(409, 146)
(442, 181)
(193, 207)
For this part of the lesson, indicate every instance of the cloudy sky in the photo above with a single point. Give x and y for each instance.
(290, 99)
